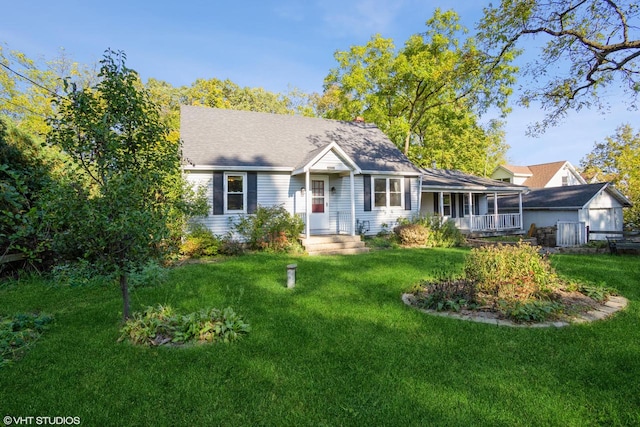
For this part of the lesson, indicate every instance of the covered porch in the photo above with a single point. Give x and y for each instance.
(327, 197)
(470, 202)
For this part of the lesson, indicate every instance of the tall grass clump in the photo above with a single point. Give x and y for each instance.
(510, 272)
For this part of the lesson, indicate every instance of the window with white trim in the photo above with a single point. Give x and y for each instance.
(446, 204)
(387, 192)
(235, 192)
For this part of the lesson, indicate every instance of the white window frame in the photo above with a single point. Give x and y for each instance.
(387, 192)
(244, 192)
(446, 205)
(466, 201)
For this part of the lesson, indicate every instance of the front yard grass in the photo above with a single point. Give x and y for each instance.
(339, 349)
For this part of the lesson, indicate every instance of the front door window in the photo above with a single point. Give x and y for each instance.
(317, 200)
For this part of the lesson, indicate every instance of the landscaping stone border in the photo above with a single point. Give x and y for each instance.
(603, 311)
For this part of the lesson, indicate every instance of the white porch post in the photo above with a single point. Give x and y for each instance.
(441, 205)
(495, 210)
(470, 211)
(352, 187)
(307, 203)
(520, 210)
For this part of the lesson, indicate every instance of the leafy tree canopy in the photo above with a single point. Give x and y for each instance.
(27, 87)
(592, 45)
(436, 86)
(616, 160)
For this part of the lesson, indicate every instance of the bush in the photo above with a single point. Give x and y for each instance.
(160, 326)
(200, 242)
(412, 234)
(440, 233)
(511, 272)
(270, 228)
(453, 294)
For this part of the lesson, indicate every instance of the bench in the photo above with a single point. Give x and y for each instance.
(616, 243)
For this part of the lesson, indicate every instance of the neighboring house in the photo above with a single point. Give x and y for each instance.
(340, 177)
(595, 209)
(556, 174)
(470, 201)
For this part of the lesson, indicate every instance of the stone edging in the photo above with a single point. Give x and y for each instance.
(613, 305)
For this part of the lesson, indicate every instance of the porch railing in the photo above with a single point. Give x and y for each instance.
(344, 223)
(496, 222)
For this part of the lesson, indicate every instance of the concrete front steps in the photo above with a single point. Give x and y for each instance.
(334, 245)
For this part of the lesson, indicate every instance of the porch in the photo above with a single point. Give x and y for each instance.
(471, 202)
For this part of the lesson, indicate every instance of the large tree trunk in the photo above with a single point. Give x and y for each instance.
(124, 287)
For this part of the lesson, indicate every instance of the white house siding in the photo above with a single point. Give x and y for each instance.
(605, 214)
(282, 188)
(273, 189)
(330, 162)
(502, 175)
(278, 189)
(556, 180)
(546, 218)
(388, 217)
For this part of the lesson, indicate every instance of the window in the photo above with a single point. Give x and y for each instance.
(565, 181)
(317, 196)
(446, 204)
(387, 192)
(235, 192)
(467, 205)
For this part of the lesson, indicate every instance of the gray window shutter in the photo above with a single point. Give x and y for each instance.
(407, 193)
(367, 192)
(252, 192)
(452, 199)
(218, 193)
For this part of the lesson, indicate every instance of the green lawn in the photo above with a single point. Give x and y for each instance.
(339, 349)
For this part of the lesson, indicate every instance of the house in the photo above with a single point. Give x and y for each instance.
(545, 175)
(340, 177)
(471, 201)
(593, 210)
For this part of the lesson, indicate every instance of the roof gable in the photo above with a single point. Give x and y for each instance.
(216, 138)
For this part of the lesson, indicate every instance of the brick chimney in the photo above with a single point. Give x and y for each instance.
(359, 119)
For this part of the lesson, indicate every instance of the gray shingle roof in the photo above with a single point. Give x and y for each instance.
(568, 197)
(456, 180)
(229, 138)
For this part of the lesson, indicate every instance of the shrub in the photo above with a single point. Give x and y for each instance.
(160, 325)
(451, 294)
(200, 242)
(270, 228)
(512, 272)
(412, 234)
(439, 233)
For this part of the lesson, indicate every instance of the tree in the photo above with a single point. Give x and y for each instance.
(115, 208)
(617, 160)
(592, 45)
(28, 86)
(228, 95)
(24, 173)
(408, 92)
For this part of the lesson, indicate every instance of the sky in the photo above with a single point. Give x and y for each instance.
(276, 45)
